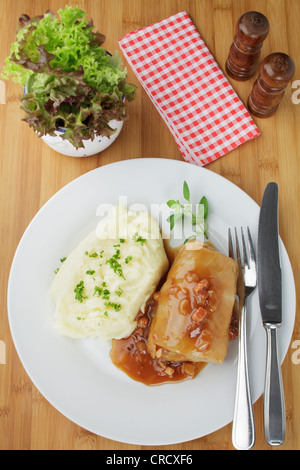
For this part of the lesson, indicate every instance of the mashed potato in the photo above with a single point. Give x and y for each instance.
(109, 277)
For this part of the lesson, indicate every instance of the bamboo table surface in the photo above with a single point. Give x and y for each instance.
(31, 173)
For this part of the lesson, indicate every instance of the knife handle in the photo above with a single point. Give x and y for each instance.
(274, 407)
(243, 430)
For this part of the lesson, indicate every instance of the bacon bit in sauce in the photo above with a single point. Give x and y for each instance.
(199, 315)
(201, 287)
(143, 322)
(184, 306)
(205, 300)
(204, 340)
(169, 371)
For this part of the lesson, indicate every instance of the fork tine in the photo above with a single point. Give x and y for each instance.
(251, 248)
(245, 257)
(230, 245)
(237, 248)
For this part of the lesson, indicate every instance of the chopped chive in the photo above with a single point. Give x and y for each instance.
(115, 266)
(98, 291)
(90, 271)
(119, 292)
(79, 290)
(116, 255)
(116, 307)
(137, 238)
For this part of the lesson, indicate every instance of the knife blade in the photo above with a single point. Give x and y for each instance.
(269, 271)
(270, 300)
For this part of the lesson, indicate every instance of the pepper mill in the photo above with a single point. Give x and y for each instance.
(276, 71)
(251, 30)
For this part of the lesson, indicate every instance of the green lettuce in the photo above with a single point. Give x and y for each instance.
(70, 80)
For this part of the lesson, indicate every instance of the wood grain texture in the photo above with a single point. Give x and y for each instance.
(31, 173)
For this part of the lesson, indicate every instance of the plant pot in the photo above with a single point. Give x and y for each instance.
(91, 147)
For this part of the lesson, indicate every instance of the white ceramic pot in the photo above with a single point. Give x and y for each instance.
(91, 147)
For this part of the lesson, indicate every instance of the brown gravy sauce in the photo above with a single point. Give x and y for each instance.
(131, 354)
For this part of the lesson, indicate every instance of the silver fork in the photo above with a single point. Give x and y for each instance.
(243, 431)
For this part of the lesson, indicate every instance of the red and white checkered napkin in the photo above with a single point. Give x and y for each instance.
(188, 88)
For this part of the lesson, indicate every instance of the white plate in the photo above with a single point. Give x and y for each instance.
(77, 376)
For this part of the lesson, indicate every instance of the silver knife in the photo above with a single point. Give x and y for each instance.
(269, 291)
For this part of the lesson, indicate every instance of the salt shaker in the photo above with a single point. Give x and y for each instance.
(251, 30)
(276, 71)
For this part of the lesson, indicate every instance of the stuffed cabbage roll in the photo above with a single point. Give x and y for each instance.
(194, 307)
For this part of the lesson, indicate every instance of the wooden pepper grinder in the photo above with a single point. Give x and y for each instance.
(251, 30)
(276, 71)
